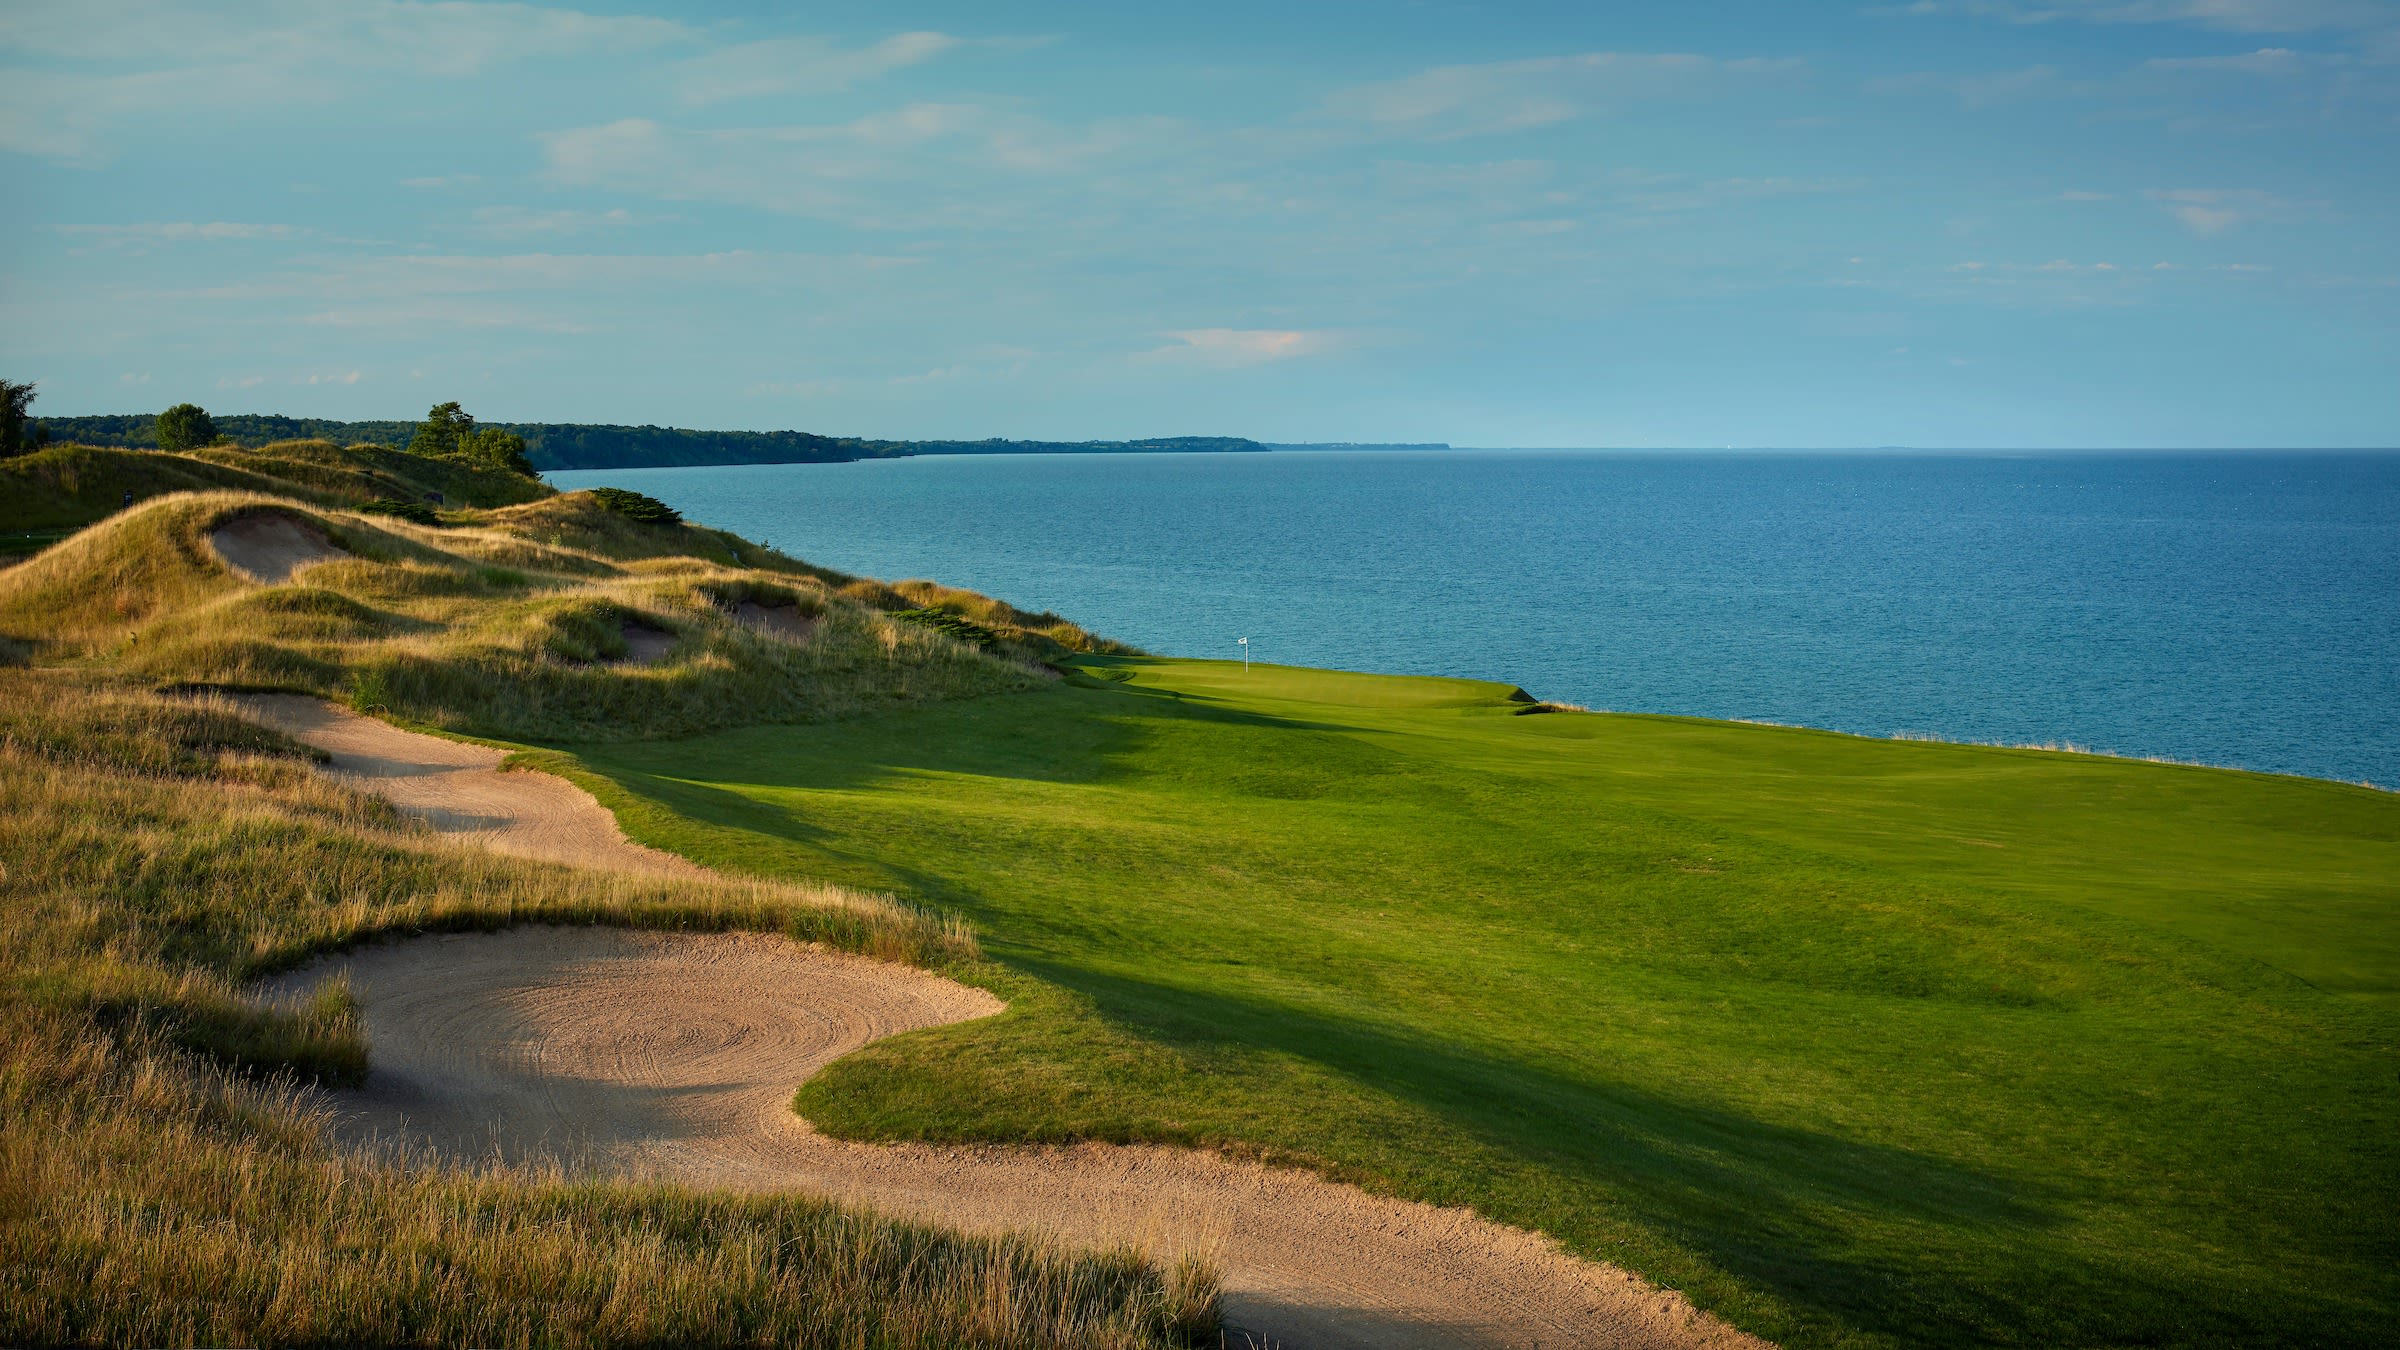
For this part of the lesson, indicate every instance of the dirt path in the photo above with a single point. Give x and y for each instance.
(676, 1055)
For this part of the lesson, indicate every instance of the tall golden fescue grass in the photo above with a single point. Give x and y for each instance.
(70, 485)
(146, 1198)
(511, 626)
(163, 1182)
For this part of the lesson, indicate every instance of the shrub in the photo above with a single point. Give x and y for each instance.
(943, 621)
(636, 507)
(186, 426)
(415, 512)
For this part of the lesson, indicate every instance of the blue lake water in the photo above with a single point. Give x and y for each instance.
(2239, 609)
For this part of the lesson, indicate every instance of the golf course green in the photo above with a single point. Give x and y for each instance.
(1859, 1042)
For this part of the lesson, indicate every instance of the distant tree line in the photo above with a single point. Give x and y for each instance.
(571, 445)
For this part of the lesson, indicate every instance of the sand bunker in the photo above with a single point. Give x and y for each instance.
(675, 1055)
(269, 548)
(644, 645)
(783, 621)
(458, 788)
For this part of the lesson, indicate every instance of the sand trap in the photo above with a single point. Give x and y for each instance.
(783, 621)
(270, 548)
(644, 645)
(675, 1055)
(458, 789)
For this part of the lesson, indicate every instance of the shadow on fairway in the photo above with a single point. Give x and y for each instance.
(1093, 739)
(1777, 1207)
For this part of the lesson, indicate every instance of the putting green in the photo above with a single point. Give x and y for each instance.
(1857, 1041)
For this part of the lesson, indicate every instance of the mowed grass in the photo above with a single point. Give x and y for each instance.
(1859, 1042)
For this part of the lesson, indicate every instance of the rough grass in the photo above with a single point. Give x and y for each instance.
(507, 624)
(160, 1185)
(64, 487)
(153, 1200)
(1861, 1043)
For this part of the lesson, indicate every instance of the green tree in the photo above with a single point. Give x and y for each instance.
(18, 431)
(186, 426)
(496, 446)
(442, 431)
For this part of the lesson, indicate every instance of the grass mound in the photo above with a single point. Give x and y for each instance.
(510, 623)
(165, 1186)
(64, 487)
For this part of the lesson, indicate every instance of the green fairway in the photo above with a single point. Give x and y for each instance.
(1857, 1041)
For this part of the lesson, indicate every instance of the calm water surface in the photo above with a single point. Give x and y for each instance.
(2239, 609)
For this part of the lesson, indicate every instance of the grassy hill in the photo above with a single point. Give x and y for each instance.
(504, 620)
(1861, 1042)
(59, 489)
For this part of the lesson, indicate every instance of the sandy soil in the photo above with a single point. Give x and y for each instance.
(459, 790)
(783, 621)
(644, 645)
(675, 1055)
(269, 548)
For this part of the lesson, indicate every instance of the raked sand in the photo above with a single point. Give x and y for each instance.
(675, 1056)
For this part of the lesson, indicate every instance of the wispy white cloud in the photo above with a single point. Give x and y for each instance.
(800, 65)
(555, 293)
(2270, 61)
(2208, 211)
(913, 167)
(1712, 193)
(1451, 102)
(176, 231)
(2240, 16)
(1984, 89)
(2054, 267)
(1231, 347)
(130, 61)
(995, 361)
(519, 222)
(445, 38)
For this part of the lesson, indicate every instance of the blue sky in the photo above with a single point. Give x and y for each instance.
(2024, 223)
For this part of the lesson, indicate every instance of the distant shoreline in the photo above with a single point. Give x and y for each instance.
(570, 446)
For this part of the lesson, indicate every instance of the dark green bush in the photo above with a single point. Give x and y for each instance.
(417, 512)
(636, 507)
(943, 621)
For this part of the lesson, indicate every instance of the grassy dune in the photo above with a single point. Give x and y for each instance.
(510, 622)
(61, 488)
(1861, 1042)
(160, 1180)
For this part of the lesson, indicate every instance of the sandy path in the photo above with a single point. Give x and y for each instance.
(459, 790)
(268, 548)
(676, 1055)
